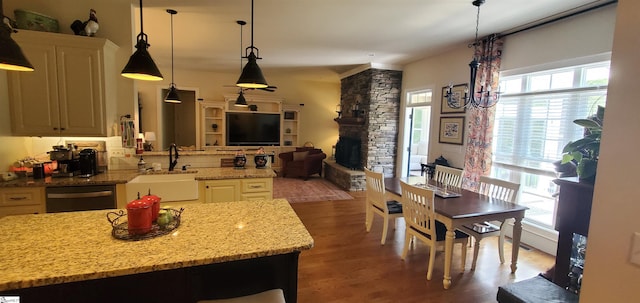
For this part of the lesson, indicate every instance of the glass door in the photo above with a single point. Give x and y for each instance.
(417, 128)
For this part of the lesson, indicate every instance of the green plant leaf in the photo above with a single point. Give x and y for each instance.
(588, 123)
(566, 158)
(587, 168)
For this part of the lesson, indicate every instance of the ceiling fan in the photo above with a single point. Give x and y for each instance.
(269, 88)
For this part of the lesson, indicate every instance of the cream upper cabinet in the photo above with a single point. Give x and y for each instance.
(72, 90)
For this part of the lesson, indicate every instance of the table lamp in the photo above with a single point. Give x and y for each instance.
(149, 137)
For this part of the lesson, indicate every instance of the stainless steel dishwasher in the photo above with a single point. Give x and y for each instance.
(77, 198)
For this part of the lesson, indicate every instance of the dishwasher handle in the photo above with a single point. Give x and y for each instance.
(95, 194)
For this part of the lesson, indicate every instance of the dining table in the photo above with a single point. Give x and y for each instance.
(455, 207)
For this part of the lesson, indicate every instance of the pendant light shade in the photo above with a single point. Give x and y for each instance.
(172, 96)
(11, 56)
(251, 76)
(241, 101)
(141, 65)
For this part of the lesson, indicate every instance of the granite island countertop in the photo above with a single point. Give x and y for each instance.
(124, 176)
(47, 249)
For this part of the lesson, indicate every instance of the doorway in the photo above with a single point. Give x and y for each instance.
(179, 120)
(417, 128)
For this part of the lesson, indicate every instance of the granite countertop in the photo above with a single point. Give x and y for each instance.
(124, 176)
(55, 248)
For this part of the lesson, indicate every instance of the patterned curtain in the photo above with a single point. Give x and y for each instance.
(480, 126)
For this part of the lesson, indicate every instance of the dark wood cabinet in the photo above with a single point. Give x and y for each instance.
(572, 216)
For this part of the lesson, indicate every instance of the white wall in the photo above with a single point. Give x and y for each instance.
(608, 275)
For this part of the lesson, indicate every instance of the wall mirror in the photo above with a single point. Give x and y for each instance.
(177, 122)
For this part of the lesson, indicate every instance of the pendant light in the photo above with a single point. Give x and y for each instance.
(241, 101)
(483, 98)
(172, 95)
(11, 56)
(251, 76)
(141, 65)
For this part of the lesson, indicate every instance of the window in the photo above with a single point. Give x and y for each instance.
(534, 121)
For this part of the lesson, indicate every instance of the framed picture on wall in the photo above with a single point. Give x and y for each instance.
(457, 92)
(451, 130)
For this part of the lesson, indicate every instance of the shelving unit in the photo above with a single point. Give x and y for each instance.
(212, 114)
(290, 127)
(215, 113)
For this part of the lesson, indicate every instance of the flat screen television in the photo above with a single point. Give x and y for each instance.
(252, 129)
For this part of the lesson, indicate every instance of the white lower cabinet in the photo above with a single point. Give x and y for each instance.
(238, 189)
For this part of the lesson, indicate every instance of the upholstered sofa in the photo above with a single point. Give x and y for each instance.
(418, 155)
(303, 162)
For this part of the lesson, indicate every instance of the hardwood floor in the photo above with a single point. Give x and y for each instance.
(347, 264)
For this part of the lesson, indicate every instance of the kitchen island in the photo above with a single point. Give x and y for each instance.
(219, 250)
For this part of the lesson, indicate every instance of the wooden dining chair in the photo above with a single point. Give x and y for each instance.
(448, 176)
(419, 215)
(378, 203)
(499, 189)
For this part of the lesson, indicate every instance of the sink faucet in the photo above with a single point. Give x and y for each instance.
(173, 161)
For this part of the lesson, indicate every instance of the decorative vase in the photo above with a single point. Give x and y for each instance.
(239, 161)
(260, 160)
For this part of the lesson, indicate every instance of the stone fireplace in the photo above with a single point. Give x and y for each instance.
(370, 102)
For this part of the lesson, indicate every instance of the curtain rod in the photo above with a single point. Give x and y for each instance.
(559, 18)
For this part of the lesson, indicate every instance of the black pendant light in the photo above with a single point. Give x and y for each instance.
(172, 96)
(141, 65)
(11, 56)
(241, 101)
(251, 76)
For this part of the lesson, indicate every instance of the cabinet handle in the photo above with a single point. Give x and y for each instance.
(55, 128)
(62, 128)
(207, 186)
(255, 186)
(17, 198)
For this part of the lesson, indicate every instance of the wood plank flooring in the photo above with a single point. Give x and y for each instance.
(347, 264)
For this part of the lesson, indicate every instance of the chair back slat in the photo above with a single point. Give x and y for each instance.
(500, 189)
(376, 193)
(448, 175)
(418, 208)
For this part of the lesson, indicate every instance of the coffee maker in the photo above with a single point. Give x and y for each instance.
(88, 162)
(67, 159)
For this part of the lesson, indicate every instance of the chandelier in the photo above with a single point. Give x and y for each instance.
(484, 97)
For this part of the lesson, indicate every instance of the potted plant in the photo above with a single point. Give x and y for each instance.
(584, 152)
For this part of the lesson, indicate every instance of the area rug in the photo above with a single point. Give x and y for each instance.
(315, 189)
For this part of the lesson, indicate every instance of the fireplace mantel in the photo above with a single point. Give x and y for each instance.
(350, 121)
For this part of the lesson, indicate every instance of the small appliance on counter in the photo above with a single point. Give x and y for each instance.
(67, 159)
(88, 162)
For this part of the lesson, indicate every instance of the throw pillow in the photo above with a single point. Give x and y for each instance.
(299, 156)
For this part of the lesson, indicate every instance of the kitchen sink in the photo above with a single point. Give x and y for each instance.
(169, 187)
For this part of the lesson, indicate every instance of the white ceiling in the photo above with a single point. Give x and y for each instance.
(336, 34)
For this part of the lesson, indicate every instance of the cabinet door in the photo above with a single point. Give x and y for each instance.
(34, 95)
(80, 86)
(222, 191)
